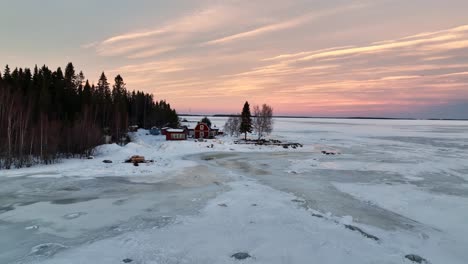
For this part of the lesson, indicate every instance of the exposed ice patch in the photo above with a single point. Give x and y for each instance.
(414, 178)
(74, 215)
(47, 249)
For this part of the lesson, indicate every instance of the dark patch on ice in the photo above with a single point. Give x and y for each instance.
(254, 204)
(222, 205)
(241, 255)
(357, 229)
(324, 152)
(74, 200)
(47, 249)
(7, 208)
(317, 215)
(417, 259)
(70, 189)
(26, 203)
(74, 215)
(297, 201)
(119, 202)
(127, 260)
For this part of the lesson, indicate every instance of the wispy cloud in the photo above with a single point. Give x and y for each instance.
(136, 35)
(171, 35)
(193, 30)
(291, 23)
(378, 48)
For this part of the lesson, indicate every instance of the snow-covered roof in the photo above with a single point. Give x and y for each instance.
(176, 130)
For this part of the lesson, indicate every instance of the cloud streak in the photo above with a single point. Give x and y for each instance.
(294, 22)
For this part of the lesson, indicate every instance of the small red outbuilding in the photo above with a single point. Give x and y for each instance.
(176, 134)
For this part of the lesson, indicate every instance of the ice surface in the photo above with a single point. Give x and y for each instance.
(402, 181)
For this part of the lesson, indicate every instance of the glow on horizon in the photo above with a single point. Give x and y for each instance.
(340, 58)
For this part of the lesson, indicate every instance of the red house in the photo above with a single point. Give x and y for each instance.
(202, 130)
(176, 134)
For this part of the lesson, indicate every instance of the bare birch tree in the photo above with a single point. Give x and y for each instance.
(263, 120)
(232, 126)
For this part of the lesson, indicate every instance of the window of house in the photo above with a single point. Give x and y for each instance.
(202, 127)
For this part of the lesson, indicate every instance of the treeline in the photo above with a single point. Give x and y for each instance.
(46, 115)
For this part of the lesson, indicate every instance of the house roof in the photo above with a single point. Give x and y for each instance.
(175, 130)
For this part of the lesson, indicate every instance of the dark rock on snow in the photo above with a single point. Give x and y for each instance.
(127, 260)
(417, 259)
(222, 205)
(107, 161)
(324, 152)
(70, 189)
(241, 255)
(297, 201)
(357, 229)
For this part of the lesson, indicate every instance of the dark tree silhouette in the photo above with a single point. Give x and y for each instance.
(246, 120)
(46, 115)
(206, 120)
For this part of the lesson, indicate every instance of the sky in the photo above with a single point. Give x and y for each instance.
(386, 58)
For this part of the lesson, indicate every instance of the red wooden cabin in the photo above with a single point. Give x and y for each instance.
(176, 134)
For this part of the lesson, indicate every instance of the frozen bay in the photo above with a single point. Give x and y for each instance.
(402, 181)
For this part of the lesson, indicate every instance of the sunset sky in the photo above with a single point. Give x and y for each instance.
(392, 58)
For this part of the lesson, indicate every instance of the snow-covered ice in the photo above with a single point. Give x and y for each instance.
(397, 187)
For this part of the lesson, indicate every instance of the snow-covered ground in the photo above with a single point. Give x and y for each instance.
(397, 187)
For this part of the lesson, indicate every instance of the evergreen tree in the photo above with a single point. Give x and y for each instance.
(80, 78)
(120, 113)
(104, 100)
(246, 120)
(70, 76)
(6, 73)
(206, 120)
(87, 94)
